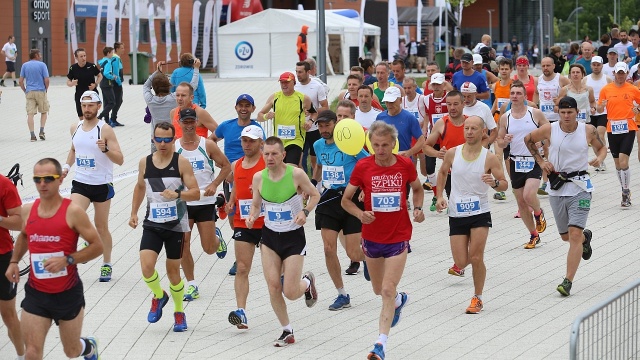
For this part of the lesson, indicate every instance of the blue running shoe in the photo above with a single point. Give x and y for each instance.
(398, 312)
(377, 353)
(181, 322)
(191, 294)
(341, 302)
(105, 273)
(222, 249)
(366, 272)
(95, 355)
(233, 269)
(239, 319)
(156, 308)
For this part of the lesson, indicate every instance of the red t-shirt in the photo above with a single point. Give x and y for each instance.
(242, 179)
(387, 187)
(9, 199)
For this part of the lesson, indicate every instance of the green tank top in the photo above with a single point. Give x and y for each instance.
(278, 192)
(379, 93)
(289, 118)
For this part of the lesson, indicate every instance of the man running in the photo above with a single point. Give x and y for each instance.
(279, 187)
(318, 96)
(167, 179)
(184, 97)
(570, 186)
(386, 228)
(379, 87)
(435, 107)
(94, 151)
(597, 80)
(366, 113)
(478, 108)
(54, 292)
(84, 76)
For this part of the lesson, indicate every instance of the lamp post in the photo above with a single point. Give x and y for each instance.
(549, 30)
(490, 11)
(598, 25)
(576, 19)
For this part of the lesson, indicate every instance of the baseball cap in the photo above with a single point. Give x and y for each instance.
(246, 97)
(620, 66)
(94, 97)
(468, 87)
(287, 76)
(253, 132)
(391, 94)
(612, 51)
(477, 59)
(567, 102)
(466, 57)
(188, 113)
(437, 78)
(326, 115)
(596, 59)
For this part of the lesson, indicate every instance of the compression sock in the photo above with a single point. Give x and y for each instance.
(177, 293)
(154, 284)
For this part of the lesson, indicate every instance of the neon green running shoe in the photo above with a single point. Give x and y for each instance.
(222, 248)
(433, 204)
(191, 294)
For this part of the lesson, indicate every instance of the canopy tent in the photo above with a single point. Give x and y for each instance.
(407, 16)
(264, 44)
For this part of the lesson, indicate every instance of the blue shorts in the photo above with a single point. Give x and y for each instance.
(379, 250)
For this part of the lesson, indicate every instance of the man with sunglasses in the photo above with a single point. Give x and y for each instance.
(54, 291)
(94, 150)
(168, 180)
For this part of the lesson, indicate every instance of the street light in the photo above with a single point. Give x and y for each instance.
(490, 26)
(549, 30)
(576, 19)
(598, 25)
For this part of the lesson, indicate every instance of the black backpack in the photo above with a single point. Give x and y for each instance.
(15, 175)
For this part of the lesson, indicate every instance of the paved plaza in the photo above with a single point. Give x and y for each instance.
(524, 316)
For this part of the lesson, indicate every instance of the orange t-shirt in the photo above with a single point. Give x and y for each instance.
(502, 93)
(242, 179)
(620, 104)
(200, 129)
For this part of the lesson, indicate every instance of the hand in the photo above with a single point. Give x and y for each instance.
(169, 194)
(13, 273)
(228, 207)
(635, 110)
(270, 115)
(361, 196)
(547, 166)
(418, 215)
(442, 152)
(196, 63)
(133, 221)
(210, 190)
(488, 179)
(92, 86)
(65, 172)
(308, 124)
(367, 217)
(300, 218)
(74, 82)
(159, 65)
(55, 264)
(508, 138)
(441, 204)
(102, 144)
(595, 162)
(249, 221)
(404, 153)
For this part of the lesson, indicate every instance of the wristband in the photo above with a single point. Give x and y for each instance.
(66, 167)
(314, 182)
(13, 262)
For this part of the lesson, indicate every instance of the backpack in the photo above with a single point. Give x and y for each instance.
(15, 176)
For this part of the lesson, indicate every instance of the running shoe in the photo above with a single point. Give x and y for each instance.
(365, 272)
(353, 268)
(543, 189)
(475, 307)
(541, 222)
(500, 195)
(342, 301)
(222, 249)
(115, 123)
(626, 198)
(586, 244)
(234, 269)
(156, 307)
(427, 186)
(311, 294)
(433, 204)
(95, 354)
(285, 339)
(456, 271)
(105, 273)
(408, 205)
(220, 201)
(191, 294)
(33, 138)
(239, 319)
(517, 215)
(603, 167)
(533, 241)
(181, 322)
(565, 287)
(42, 136)
(2, 83)
(398, 312)
(377, 353)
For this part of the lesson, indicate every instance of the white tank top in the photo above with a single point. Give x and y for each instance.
(202, 169)
(584, 107)
(93, 167)
(414, 106)
(569, 152)
(547, 91)
(597, 85)
(519, 128)
(468, 191)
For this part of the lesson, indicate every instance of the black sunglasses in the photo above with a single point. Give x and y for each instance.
(47, 178)
(162, 139)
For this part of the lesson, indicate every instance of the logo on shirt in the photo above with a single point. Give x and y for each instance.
(386, 182)
(43, 238)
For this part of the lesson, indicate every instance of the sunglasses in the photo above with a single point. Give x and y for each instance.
(162, 139)
(47, 178)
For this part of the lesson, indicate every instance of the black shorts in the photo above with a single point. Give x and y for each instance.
(506, 152)
(621, 143)
(463, 225)
(252, 236)
(154, 238)
(293, 154)
(331, 215)
(95, 193)
(11, 66)
(64, 305)
(7, 289)
(201, 213)
(285, 244)
(599, 120)
(311, 137)
(518, 179)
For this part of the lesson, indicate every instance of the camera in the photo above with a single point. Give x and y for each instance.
(191, 61)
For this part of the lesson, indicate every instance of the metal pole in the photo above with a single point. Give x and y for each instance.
(549, 30)
(490, 26)
(134, 41)
(599, 26)
(68, 38)
(322, 43)
(615, 11)
(577, 19)
(446, 36)
(541, 33)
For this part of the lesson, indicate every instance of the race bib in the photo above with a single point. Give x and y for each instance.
(385, 202)
(196, 164)
(524, 164)
(333, 175)
(469, 205)
(163, 212)
(287, 132)
(37, 264)
(546, 108)
(245, 208)
(584, 182)
(416, 114)
(619, 127)
(501, 101)
(86, 162)
(582, 116)
(279, 213)
(436, 117)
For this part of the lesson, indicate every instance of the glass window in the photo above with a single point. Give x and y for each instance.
(81, 30)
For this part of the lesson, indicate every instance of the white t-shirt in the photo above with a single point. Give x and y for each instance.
(608, 70)
(483, 111)
(315, 91)
(10, 51)
(366, 119)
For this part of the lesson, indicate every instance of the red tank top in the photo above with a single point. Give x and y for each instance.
(49, 237)
(452, 135)
(242, 179)
(426, 91)
(436, 106)
(530, 86)
(200, 130)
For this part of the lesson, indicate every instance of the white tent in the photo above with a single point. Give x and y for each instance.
(264, 44)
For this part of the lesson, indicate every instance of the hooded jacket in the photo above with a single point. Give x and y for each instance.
(302, 40)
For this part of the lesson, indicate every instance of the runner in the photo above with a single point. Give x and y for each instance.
(468, 74)
(569, 162)
(581, 92)
(366, 114)
(386, 228)
(473, 107)
(167, 179)
(84, 76)
(472, 169)
(379, 87)
(435, 107)
(354, 81)
(280, 187)
(597, 80)
(54, 291)
(530, 82)
(184, 97)
(501, 91)
(94, 151)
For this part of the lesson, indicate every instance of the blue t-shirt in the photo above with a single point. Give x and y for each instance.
(34, 72)
(184, 74)
(231, 131)
(586, 63)
(336, 165)
(418, 90)
(407, 125)
(479, 80)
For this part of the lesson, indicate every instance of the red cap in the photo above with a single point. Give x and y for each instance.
(287, 76)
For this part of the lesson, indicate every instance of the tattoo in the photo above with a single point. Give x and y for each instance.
(531, 145)
(595, 133)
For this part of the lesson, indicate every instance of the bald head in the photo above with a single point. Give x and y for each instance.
(475, 120)
(587, 50)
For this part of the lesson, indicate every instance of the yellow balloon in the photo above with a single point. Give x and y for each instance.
(367, 142)
(349, 136)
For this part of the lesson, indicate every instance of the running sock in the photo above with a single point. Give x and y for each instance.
(534, 233)
(288, 328)
(107, 264)
(41, 130)
(87, 348)
(342, 291)
(431, 178)
(33, 133)
(537, 214)
(307, 281)
(625, 178)
(398, 299)
(177, 293)
(154, 284)
(479, 297)
(21, 357)
(382, 339)
(193, 283)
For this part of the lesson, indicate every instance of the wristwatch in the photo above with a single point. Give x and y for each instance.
(106, 149)
(306, 212)
(496, 182)
(178, 191)
(70, 260)
(417, 208)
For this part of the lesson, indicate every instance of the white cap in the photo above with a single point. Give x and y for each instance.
(620, 66)
(477, 59)
(597, 59)
(94, 97)
(253, 132)
(437, 78)
(468, 87)
(391, 94)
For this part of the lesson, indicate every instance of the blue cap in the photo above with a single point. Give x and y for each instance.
(245, 97)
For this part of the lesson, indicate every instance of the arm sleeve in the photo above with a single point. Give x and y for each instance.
(146, 89)
(202, 95)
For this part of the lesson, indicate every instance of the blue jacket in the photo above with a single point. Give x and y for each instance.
(110, 68)
(185, 74)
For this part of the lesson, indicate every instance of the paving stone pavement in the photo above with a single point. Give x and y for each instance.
(524, 316)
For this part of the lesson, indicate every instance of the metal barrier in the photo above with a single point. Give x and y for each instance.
(609, 330)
